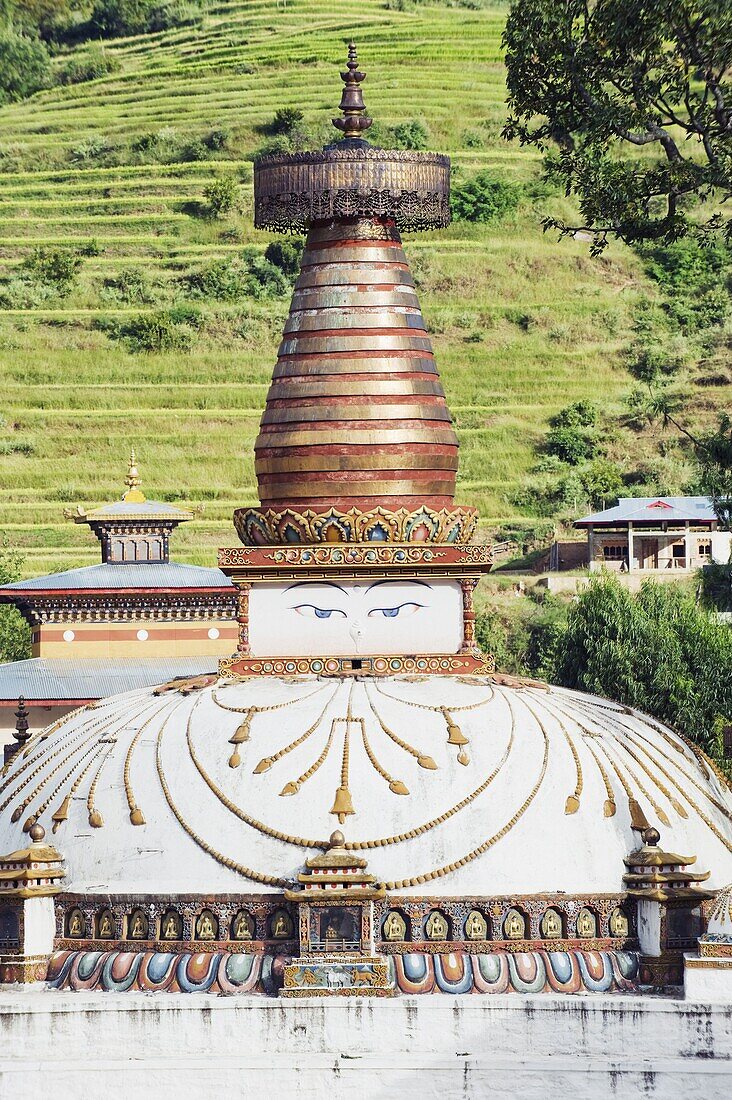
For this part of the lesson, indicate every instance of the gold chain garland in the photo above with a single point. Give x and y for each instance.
(239, 868)
(447, 869)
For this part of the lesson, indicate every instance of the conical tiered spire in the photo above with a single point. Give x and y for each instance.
(356, 442)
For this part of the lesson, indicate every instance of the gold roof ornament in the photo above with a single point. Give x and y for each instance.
(133, 494)
(337, 874)
(32, 872)
(655, 875)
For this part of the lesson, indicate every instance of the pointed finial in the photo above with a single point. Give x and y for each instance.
(355, 120)
(21, 734)
(37, 833)
(134, 494)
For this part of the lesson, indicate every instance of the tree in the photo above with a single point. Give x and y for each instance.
(656, 650)
(14, 631)
(221, 196)
(631, 101)
(25, 66)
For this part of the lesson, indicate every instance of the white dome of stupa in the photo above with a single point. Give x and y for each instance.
(447, 785)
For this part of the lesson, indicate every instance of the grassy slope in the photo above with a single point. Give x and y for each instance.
(521, 324)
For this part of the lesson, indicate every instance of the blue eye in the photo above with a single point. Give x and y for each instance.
(392, 612)
(310, 611)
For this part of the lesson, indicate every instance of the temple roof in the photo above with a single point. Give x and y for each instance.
(59, 680)
(119, 577)
(653, 510)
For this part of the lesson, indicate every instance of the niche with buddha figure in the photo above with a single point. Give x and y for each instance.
(171, 925)
(394, 928)
(280, 925)
(476, 926)
(514, 926)
(437, 926)
(618, 923)
(586, 923)
(242, 926)
(138, 926)
(551, 926)
(75, 924)
(104, 925)
(206, 926)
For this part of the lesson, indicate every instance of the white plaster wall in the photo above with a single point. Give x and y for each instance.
(188, 1047)
(721, 545)
(39, 926)
(709, 983)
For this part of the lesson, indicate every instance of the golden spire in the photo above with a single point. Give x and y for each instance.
(134, 494)
(355, 119)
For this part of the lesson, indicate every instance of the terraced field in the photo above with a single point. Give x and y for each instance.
(522, 325)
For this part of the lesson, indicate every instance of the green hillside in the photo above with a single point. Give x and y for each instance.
(522, 325)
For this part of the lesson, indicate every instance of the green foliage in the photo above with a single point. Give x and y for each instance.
(598, 82)
(230, 279)
(657, 651)
(696, 277)
(285, 254)
(716, 586)
(602, 482)
(92, 149)
(129, 285)
(160, 331)
(15, 634)
(25, 66)
(572, 437)
(410, 135)
(484, 198)
(714, 457)
(221, 196)
(176, 13)
(93, 65)
(286, 120)
(112, 18)
(57, 266)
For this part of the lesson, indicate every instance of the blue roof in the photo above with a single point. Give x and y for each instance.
(49, 679)
(653, 510)
(124, 576)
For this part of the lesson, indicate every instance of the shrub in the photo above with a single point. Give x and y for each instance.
(194, 150)
(602, 481)
(221, 196)
(152, 332)
(130, 285)
(650, 362)
(483, 198)
(24, 293)
(286, 254)
(285, 121)
(265, 280)
(93, 65)
(571, 445)
(93, 148)
(56, 266)
(224, 280)
(111, 18)
(581, 414)
(217, 139)
(177, 13)
(410, 135)
(25, 66)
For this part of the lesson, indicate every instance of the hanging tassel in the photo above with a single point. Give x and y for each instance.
(455, 735)
(15, 816)
(290, 788)
(136, 817)
(264, 765)
(29, 824)
(609, 809)
(638, 820)
(463, 758)
(572, 804)
(95, 819)
(397, 787)
(343, 805)
(235, 758)
(427, 762)
(61, 813)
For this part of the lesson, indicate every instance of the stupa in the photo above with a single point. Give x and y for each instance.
(358, 803)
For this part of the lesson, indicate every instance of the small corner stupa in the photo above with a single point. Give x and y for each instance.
(357, 802)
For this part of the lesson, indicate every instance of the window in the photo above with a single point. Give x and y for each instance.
(679, 550)
(613, 553)
(704, 548)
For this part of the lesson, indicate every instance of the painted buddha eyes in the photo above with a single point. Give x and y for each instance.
(392, 612)
(310, 611)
